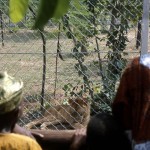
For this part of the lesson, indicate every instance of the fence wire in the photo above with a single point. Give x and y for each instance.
(86, 52)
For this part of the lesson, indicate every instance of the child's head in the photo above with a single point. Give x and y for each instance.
(104, 132)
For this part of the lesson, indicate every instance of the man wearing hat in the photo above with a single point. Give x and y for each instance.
(10, 111)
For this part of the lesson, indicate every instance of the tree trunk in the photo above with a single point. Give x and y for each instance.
(138, 39)
(44, 63)
(2, 29)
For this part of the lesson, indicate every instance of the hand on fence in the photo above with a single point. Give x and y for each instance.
(78, 139)
(37, 136)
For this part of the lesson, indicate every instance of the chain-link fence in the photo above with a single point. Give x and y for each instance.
(72, 69)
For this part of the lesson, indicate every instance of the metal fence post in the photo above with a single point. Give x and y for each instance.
(145, 27)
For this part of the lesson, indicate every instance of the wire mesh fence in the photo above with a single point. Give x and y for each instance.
(78, 73)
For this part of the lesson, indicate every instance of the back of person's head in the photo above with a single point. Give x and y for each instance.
(104, 133)
(10, 98)
(138, 77)
(140, 66)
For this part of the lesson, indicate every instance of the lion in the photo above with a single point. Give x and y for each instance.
(75, 115)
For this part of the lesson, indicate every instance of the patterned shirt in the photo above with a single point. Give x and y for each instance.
(11, 141)
(131, 105)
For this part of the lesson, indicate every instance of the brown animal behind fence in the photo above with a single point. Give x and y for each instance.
(72, 116)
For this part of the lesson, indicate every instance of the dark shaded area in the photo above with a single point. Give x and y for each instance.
(55, 140)
(103, 131)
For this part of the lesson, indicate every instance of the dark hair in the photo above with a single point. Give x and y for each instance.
(9, 119)
(104, 132)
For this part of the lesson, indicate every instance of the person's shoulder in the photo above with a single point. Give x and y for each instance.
(26, 139)
(20, 136)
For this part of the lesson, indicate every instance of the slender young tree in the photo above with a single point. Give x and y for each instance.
(2, 27)
(44, 62)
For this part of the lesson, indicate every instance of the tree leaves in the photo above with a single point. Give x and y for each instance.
(46, 10)
(61, 8)
(17, 9)
(49, 9)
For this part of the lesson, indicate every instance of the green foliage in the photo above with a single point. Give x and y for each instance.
(46, 10)
(74, 91)
(82, 69)
(68, 89)
(14, 29)
(17, 9)
(49, 9)
(79, 20)
(85, 19)
(4, 6)
(122, 13)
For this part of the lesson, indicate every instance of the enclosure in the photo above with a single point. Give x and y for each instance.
(82, 55)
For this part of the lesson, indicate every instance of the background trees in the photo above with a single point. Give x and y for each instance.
(86, 22)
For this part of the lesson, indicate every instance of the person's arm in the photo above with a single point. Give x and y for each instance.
(79, 140)
(20, 130)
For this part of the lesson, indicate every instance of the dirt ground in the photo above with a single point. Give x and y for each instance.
(22, 57)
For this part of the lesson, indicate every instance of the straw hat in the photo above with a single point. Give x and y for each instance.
(10, 92)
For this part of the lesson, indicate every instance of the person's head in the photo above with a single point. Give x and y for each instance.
(140, 65)
(10, 100)
(138, 77)
(104, 133)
